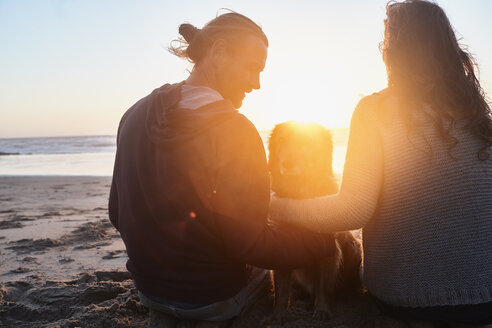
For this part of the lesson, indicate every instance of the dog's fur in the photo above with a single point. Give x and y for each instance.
(300, 163)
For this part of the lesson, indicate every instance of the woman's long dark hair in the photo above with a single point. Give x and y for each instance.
(427, 66)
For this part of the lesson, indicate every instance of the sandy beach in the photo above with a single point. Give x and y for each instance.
(62, 264)
(61, 261)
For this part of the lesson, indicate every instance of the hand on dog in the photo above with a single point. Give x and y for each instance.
(300, 163)
(278, 207)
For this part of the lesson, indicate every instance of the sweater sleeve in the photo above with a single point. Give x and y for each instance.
(241, 203)
(113, 211)
(113, 202)
(356, 201)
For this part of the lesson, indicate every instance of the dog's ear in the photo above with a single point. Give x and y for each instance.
(274, 142)
(329, 146)
(324, 142)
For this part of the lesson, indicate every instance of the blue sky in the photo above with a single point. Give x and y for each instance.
(72, 67)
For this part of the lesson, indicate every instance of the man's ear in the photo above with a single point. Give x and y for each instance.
(218, 52)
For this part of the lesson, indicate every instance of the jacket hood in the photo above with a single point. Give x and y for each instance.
(168, 124)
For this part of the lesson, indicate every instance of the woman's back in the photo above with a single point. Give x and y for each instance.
(430, 240)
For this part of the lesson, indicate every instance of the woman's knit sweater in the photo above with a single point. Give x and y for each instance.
(426, 215)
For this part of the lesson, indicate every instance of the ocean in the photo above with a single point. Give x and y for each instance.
(93, 155)
(80, 156)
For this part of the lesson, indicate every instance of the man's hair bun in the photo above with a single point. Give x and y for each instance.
(188, 31)
(231, 27)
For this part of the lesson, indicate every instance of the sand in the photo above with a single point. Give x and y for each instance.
(62, 263)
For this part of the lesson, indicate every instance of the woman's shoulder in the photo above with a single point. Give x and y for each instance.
(376, 99)
(380, 105)
(368, 105)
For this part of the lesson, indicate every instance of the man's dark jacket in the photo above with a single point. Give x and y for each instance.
(190, 196)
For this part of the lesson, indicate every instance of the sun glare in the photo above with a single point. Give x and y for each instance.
(327, 111)
(325, 100)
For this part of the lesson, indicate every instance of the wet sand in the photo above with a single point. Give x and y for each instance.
(62, 263)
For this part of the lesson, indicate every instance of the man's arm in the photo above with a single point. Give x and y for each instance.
(113, 204)
(113, 192)
(241, 201)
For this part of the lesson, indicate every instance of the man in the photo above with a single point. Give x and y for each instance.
(191, 190)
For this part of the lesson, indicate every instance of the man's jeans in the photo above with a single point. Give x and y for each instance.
(258, 283)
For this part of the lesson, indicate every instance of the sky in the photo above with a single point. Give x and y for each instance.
(73, 67)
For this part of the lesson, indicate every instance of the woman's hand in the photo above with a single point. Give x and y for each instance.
(278, 209)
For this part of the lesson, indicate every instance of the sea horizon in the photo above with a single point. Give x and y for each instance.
(93, 155)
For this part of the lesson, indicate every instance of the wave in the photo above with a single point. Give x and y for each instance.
(8, 154)
(58, 145)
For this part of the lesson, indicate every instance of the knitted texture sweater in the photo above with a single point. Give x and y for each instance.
(426, 214)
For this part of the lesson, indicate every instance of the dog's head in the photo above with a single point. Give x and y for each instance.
(300, 160)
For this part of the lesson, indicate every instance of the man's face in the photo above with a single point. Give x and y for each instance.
(240, 70)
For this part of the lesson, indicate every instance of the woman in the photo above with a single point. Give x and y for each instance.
(418, 177)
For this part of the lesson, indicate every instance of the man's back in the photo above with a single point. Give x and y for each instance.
(190, 197)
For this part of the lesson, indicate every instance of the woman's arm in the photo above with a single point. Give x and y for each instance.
(357, 199)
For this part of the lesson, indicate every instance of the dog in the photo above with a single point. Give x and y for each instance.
(300, 164)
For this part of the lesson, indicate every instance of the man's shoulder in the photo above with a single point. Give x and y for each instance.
(240, 124)
(239, 135)
(166, 95)
(243, 122)
(137, 106)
